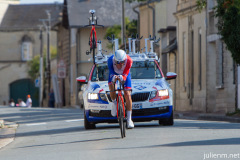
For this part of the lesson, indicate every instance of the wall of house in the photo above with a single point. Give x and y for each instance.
(191, 88)
(10, 72)
(10, 44)
(220, 76)
(161, 15)
(205, 70)
(146, 24)
(11, 65)
(64, 54)
(85, 61)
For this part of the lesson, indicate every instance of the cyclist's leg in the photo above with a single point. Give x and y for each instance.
(127, 92)
(113, 97)
(128, 98)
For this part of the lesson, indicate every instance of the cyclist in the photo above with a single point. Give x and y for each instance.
(119, 66)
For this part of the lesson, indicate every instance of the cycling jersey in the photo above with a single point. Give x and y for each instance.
(124, 71)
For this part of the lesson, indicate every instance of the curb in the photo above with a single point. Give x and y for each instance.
(7, 133)
(1, 123)
(207, 117)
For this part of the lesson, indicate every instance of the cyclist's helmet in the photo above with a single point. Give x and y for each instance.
(120, 56)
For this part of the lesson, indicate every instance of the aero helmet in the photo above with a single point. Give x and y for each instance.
(120, 56)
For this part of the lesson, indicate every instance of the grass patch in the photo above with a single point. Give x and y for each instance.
(235, 113)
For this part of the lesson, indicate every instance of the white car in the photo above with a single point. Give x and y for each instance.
(152, 96)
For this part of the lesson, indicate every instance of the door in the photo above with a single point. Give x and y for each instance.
(21, 88)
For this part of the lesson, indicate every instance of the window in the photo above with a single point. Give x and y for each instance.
(73, 37)
(199, 58)
(220, 65)
(139, 70)
(184, 59)
(27, 51)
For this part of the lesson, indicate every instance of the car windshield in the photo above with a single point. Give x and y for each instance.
(139, 70)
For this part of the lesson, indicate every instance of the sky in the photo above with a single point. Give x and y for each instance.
(39, 1)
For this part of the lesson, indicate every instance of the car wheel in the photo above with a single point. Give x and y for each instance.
(87, 124)
(167, 122)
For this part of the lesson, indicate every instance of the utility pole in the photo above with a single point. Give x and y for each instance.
(123, 22)
(41, 68)
(48, 51)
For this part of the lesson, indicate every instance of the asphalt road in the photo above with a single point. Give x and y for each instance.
(59, 134)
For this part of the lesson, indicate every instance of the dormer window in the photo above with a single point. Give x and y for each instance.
(27, 51)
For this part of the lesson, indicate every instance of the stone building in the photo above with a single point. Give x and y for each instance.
(19, 43)
(205, 80)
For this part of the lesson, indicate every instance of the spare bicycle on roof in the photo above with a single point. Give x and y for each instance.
(93, 35)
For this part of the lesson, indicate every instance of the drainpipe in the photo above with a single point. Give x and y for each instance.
(138, 22)
(175, 84)
(153, 12)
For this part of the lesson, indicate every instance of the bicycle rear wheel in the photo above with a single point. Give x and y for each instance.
(121, 117)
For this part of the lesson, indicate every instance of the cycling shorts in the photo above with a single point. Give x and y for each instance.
(127, 84)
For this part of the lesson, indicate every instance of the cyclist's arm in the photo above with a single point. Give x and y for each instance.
(111, 69)
(127, 68)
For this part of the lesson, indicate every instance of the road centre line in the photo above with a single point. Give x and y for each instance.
(74, 120)
(36, 124)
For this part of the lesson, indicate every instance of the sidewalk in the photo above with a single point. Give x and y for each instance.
(7, 132)
(206, 116)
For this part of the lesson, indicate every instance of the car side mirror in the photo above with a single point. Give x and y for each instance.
(171, 75)
(82, 79)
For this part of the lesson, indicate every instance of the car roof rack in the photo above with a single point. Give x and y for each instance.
(136, 56)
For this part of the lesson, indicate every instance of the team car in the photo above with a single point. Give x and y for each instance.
(152, 97)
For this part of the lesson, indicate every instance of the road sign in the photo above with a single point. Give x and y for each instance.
(37, 82)
(61, 69)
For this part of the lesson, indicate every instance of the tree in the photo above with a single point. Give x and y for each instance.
(35, 62)
(228, 14)
(131, 29)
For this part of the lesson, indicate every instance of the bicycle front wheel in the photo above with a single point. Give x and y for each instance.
(122, 126)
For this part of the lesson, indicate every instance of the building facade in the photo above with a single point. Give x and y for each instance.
(205, 80)
(73, 40)
(19, 43)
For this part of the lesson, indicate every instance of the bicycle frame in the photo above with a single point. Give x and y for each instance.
(121, 96)
(93, 31)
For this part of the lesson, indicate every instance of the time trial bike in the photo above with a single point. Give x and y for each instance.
(121, 108)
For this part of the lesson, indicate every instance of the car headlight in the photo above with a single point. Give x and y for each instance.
(103, 96)
(163, 93)
(93, 96)
(153, 94)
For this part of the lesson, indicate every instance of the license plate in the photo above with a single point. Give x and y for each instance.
(137, 106)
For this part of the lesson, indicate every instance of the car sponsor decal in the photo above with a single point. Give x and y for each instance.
(161, 83)
(155, 88)
(137, 106)
(140, 87)
(140, 83)
(159, 104)
(97, 106)
(95, 86)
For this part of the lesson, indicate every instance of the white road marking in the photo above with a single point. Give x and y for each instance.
(36, 124)
(74, 120)
(44, 123)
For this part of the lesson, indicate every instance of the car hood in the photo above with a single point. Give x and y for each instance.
(138, 85)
